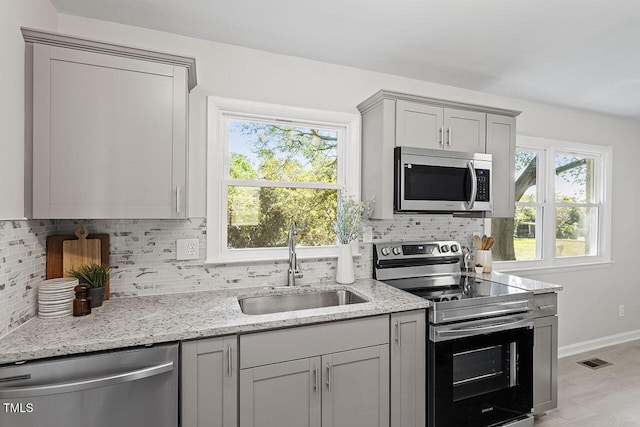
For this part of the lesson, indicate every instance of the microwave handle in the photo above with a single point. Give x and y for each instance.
(474, 185)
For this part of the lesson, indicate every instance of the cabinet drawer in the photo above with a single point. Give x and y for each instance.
(263, 348)
(545, 304)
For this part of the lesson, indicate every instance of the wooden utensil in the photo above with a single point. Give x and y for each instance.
(490, 242)
(76, 253)
(477, 242)
(484, 242)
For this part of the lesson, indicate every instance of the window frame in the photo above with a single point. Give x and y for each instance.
(547, 205)
(219, 112)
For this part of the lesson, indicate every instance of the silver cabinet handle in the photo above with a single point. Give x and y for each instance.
(449, 136)
(474, 185)
(328, 376)
(230, 364)
(441, 136)
(40, 390)
(546, 307)
(177, 198)
(398, 334)
(316, 380)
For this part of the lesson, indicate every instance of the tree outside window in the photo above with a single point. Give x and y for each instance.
(559, 204)
(278, 174)
(269, 165)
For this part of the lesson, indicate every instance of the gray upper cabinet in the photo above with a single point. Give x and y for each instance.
(391, 119)
(419, 125)
(329, 375)
(501, 144)
(429, 126)
(209, 382)
(464, 130)
(109, 129)
(408, 374)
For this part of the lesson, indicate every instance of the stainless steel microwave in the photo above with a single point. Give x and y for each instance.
(428, 180)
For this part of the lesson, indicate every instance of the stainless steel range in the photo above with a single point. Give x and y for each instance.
(480, 336)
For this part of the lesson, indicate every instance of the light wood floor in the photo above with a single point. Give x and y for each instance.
(606, 397)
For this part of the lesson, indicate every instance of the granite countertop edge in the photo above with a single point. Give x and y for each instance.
(144, 320)
(533, 285)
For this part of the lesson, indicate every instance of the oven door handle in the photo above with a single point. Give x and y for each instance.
(474, 185)
(441, 335)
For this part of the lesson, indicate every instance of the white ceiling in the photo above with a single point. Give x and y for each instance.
(580, 53)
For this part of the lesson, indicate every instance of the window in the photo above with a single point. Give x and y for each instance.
(268, 165)
(562, 206)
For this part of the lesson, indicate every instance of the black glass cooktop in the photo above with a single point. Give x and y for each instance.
(452, 288)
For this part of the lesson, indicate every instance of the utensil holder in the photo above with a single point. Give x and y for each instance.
(484, 259)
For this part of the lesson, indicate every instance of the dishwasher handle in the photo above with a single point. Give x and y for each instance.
(48, 389)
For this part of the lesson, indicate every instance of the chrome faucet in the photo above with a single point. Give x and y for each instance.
(294, 271)
(466, 258)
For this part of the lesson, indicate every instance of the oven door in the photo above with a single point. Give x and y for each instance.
(425, 183)
(480, 372)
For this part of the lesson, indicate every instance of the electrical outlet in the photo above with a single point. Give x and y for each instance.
(621, 310)
(187, 249)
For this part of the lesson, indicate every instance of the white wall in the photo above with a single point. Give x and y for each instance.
(589, 304)
(14, 14)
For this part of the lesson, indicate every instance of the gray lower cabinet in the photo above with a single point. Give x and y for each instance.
(348, 389)
(355, 388)
(281, 394)
(545, 353)
(210, 382)
(329, 375)
(408, 375)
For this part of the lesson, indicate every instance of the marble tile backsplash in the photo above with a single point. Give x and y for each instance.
(22, 267)
(143, 257)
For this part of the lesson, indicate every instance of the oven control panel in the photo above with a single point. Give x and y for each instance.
(408, 250)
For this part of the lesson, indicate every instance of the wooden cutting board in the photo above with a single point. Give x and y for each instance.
(83, 251)
(55, 254)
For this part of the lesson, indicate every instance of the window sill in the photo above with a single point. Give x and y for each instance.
(271, 259)
(550, 269)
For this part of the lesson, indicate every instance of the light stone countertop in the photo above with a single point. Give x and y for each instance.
(134, 321)
(536, 286)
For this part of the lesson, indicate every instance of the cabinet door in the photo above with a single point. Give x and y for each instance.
(281, 394)
(408, 369)
(210, 383)
(418, 125)
(355, 388)
(109, 136)
(545, 364)
(465, 130)
(501, 144)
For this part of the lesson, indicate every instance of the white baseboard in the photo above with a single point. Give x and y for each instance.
(590, 345)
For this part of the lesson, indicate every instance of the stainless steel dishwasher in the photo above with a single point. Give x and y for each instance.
(126, 388)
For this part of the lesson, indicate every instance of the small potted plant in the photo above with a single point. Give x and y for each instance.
(94, 275)
(479, 268)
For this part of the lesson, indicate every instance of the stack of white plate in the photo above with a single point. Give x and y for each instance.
(55, 297)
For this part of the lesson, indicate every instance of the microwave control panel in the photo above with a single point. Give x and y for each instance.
(482, 194)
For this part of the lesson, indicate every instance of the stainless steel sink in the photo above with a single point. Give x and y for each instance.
(292, 302)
